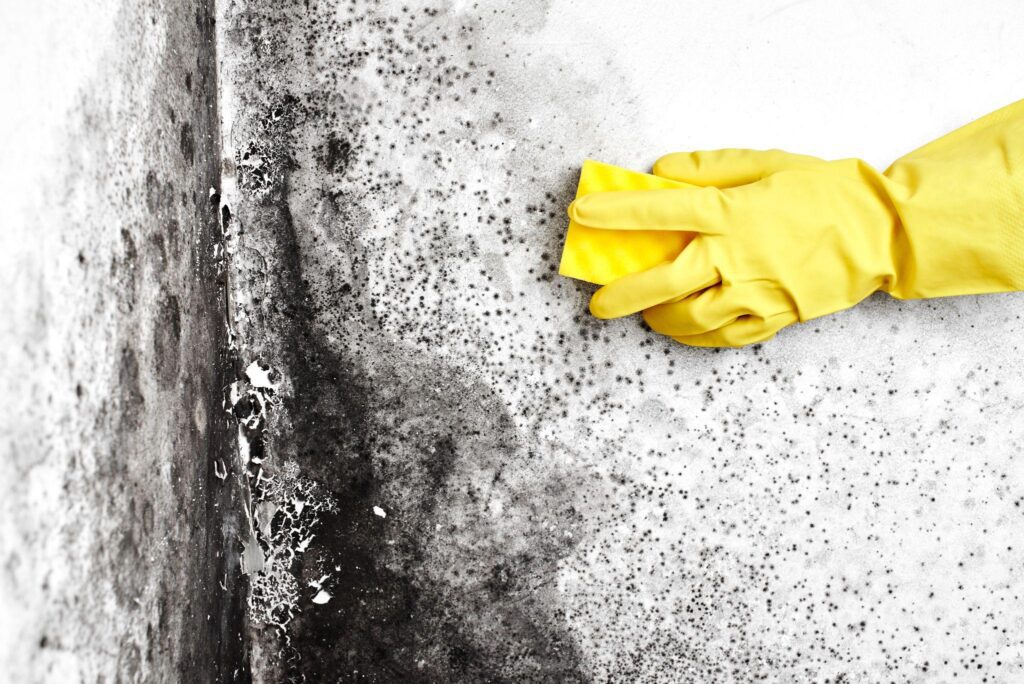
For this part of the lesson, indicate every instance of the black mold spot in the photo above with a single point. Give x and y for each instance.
(442, 460)
(337, 155)
(132, 399)
(187, 143)
(158, 252)
(171, 229)
(124, 269)
(505, 576)
(152, 192)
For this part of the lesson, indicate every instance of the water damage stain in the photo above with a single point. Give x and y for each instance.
(413, 453)
(437, 559)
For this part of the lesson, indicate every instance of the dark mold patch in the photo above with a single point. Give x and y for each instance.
(415, 429)
(159, 194)
(132, 400)
(438, 555)
(124, 272)
(337, 154)
(167, 338)
(187, 143)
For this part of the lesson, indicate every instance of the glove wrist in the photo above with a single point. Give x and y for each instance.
(960, 208)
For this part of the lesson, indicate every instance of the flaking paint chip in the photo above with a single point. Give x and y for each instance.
(261, 377)
(380, 512)
(321, 597)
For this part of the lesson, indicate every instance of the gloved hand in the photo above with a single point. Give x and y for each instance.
(780, 238)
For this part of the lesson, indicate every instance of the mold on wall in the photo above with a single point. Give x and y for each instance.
(118, 554)
(431, 562)
(520, 492)
(298, 394)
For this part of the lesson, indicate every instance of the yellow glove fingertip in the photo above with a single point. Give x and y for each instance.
(574, 210)
(600, 307)
(665, 164)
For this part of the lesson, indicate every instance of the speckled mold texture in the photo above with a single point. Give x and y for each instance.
(118, 560)
(295, 393)
(522, 493)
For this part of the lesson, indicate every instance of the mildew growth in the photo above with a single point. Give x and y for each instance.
(567, 499)
(286, 511)
(282, 507)
(115, 565)
(385, 428)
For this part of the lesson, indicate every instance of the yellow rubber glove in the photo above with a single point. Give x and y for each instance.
(784, 238)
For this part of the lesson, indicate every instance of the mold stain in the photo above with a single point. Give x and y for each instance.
(521, 493)
(425, 467)
(407, 435)
(167, 339)
(122, 574)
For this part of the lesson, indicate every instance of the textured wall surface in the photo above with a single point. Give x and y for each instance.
(296, 393)
(116, 536)
(508, 490)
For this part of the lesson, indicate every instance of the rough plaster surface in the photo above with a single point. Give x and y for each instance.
(396, 434)
(117, 553)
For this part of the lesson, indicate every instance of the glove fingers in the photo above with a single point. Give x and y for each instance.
(743, 331)
(690, 272)
(704, 311)
(727, 168)
(700, 210)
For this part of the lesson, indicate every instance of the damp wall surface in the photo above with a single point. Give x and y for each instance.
(457, 475)
(296, 394)
(117, 539)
